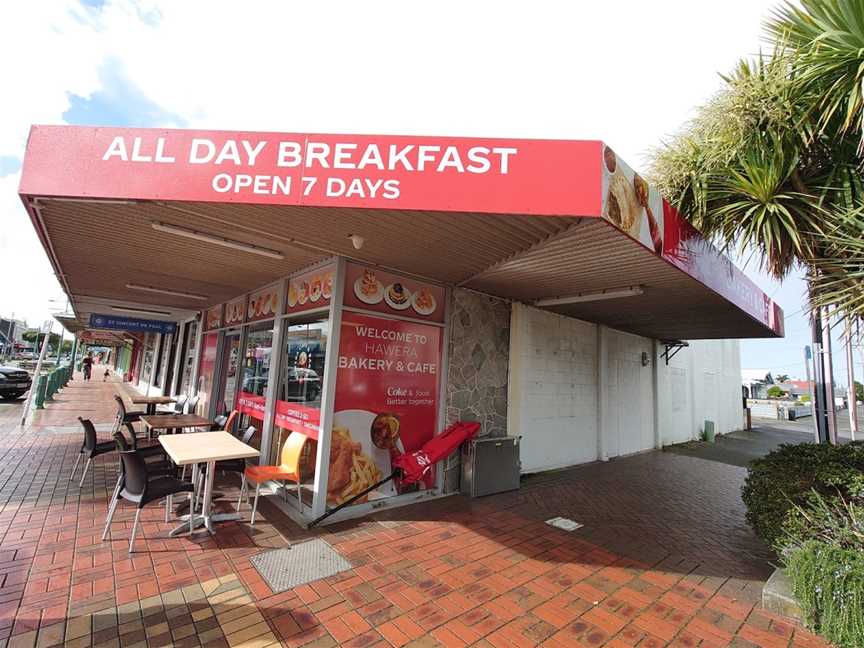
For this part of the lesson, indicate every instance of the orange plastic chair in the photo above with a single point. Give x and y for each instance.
(287, 470)
(229, 424)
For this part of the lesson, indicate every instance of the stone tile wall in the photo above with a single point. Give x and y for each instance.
(479, 363)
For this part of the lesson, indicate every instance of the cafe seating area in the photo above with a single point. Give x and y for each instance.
(167, 451)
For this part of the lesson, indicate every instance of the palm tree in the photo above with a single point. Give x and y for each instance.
(748, 170)
(772, 163)
(825, 39)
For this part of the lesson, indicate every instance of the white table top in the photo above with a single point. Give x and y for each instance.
(201, 447)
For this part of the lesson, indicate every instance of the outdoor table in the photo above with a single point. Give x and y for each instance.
(152, 401)
(205, 448)
(173, 422)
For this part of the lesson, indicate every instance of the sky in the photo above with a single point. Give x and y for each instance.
(629, 73)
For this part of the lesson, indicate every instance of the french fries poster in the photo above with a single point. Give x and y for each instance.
(386, 401)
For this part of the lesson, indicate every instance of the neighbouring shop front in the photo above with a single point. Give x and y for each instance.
(365, 292)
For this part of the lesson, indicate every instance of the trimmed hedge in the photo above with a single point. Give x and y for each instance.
(787, 477)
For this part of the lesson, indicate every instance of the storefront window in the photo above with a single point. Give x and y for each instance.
(206, 370)
(230, 354)
(149, 356)
(165, 360)
(298, 404)
(255, 375)
(190, 336)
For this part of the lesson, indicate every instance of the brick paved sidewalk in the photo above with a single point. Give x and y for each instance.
(664, 559)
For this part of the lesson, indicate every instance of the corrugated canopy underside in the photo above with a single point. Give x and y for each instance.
(101, 247)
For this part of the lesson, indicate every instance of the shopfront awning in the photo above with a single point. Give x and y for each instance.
(176, 221)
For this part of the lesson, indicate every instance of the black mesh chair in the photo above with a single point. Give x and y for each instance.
(127, 416)
(229, 465)
(233, 465)
(141, 486)
(90, 448)
(219, 423)
(163, 466)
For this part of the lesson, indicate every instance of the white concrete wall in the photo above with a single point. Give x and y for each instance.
(707, 368)
(552, 397)
(557, 404)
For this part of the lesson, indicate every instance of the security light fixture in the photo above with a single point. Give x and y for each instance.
(164, 291)
(216, 240)
(357, 241)
(611, 293)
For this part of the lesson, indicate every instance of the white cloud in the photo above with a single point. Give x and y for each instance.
(627, 72)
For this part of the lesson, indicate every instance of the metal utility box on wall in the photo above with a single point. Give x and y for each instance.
(490, 465)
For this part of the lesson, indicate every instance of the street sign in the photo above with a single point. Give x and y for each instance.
(131, 324)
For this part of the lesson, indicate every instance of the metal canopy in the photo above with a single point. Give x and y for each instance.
(101, 247)
(175, 221)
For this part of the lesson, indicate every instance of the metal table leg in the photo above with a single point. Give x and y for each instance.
(192, 521)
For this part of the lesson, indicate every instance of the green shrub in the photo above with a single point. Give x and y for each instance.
(828, 581)
(775, 392)
(804, 398)
(785, 478)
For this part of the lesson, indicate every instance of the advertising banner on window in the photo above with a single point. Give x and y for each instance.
(298, 418)
(251, 404)
(386, 401)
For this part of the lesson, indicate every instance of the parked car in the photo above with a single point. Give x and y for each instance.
(13, 382)
(301, 385)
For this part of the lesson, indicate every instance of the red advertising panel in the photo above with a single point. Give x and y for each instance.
(386, 400)
(263, 303)
(213, 318)
(235, 311)
(388, 293)
(496, 176)
(311, 289)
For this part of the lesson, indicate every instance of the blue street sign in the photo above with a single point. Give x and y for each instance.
(131, 324)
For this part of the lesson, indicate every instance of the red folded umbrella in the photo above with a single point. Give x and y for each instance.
(415, 465)
(411, 467)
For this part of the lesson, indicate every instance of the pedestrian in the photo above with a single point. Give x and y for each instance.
(87, 365)
(105, 376)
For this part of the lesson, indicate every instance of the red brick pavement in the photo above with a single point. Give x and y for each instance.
(664, 559)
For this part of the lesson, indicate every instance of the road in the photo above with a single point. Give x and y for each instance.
(742, 447)
(805, 425)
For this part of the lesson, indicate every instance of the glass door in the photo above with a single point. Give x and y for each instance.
(206, 370)
(298, 404)
(228, 373)
(190, 337)
(255, 375)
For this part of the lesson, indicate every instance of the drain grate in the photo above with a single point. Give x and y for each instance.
(301, 563)
(565, 524)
